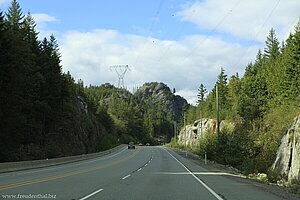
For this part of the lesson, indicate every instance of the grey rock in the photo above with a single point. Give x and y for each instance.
(287, 161)
(191, 134)
(161, 93)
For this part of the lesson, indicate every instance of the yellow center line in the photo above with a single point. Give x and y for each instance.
(72, 173)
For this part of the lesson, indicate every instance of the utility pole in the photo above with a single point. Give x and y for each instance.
(175, 131)
(218, 113)
(200, 127)
(185, 135)
(121, 71)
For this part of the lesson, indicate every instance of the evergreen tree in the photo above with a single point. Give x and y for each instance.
(223, 91)
(272, 49)
(201, 94)
(291, 81)
(31, 35)
(19, 107)
(234, 87)
(14, 15)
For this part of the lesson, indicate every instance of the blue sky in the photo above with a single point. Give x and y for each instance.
(178, 42)
(149, 18)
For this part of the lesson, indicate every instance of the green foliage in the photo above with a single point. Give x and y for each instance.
(208, 146)
(135, 117)
(14, 15)
(43, 112)
(273, 175)
(272, 49)
(262, 104)
(201, 94)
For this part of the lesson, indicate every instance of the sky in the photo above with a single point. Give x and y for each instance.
(181, 43)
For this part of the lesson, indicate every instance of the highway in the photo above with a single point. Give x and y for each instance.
(147, 172)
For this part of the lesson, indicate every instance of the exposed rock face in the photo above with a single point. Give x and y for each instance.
(193, 133)
(161, 93)
(82, 104)
(287, 160)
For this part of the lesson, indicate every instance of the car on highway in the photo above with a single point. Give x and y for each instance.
(131, 145)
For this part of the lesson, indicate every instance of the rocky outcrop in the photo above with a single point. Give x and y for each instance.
(193, 133)
(160, 93)
(287, 161)
(82, 104)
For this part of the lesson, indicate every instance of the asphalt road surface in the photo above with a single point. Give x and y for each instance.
(146, 172)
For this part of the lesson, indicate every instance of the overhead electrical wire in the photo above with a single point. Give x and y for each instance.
(292, 24)
(258, 32)
(190, 53)
(177, 32)
(150, 29)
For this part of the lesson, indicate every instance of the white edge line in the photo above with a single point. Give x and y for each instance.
(203, 173)
(92, 194)
(126, 176)
(199, 180)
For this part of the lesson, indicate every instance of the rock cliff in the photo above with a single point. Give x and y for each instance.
(287, 160)
(192, 133)
(160, 93)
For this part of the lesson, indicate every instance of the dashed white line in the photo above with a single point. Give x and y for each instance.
(139, 169)
(92, 194)
(199, 180)
(126, 176)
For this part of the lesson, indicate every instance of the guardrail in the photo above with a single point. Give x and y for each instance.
(32, 164)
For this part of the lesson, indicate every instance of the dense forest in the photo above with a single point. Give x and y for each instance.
(261, 104)
(45, 113)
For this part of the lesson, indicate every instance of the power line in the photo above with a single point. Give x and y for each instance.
(150, 30)
(291, 24)
(177, 32)
(258, 32)
(268, 17)
(213, 30)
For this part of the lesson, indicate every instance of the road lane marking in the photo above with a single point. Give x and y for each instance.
(202, 173)
(92, 194)
(199, 180)
(139, 169)
(126, 176)
(71, 173)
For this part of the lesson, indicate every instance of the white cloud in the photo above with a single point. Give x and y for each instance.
(41, 20)
(244, 19)
(88, 55)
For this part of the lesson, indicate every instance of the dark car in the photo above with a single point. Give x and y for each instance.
(131, 145)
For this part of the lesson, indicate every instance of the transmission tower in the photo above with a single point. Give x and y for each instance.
(121, 71)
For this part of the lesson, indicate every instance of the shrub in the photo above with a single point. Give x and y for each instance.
(273, 175)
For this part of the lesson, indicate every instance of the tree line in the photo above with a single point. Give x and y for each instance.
(262, 103)
(45, 113)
